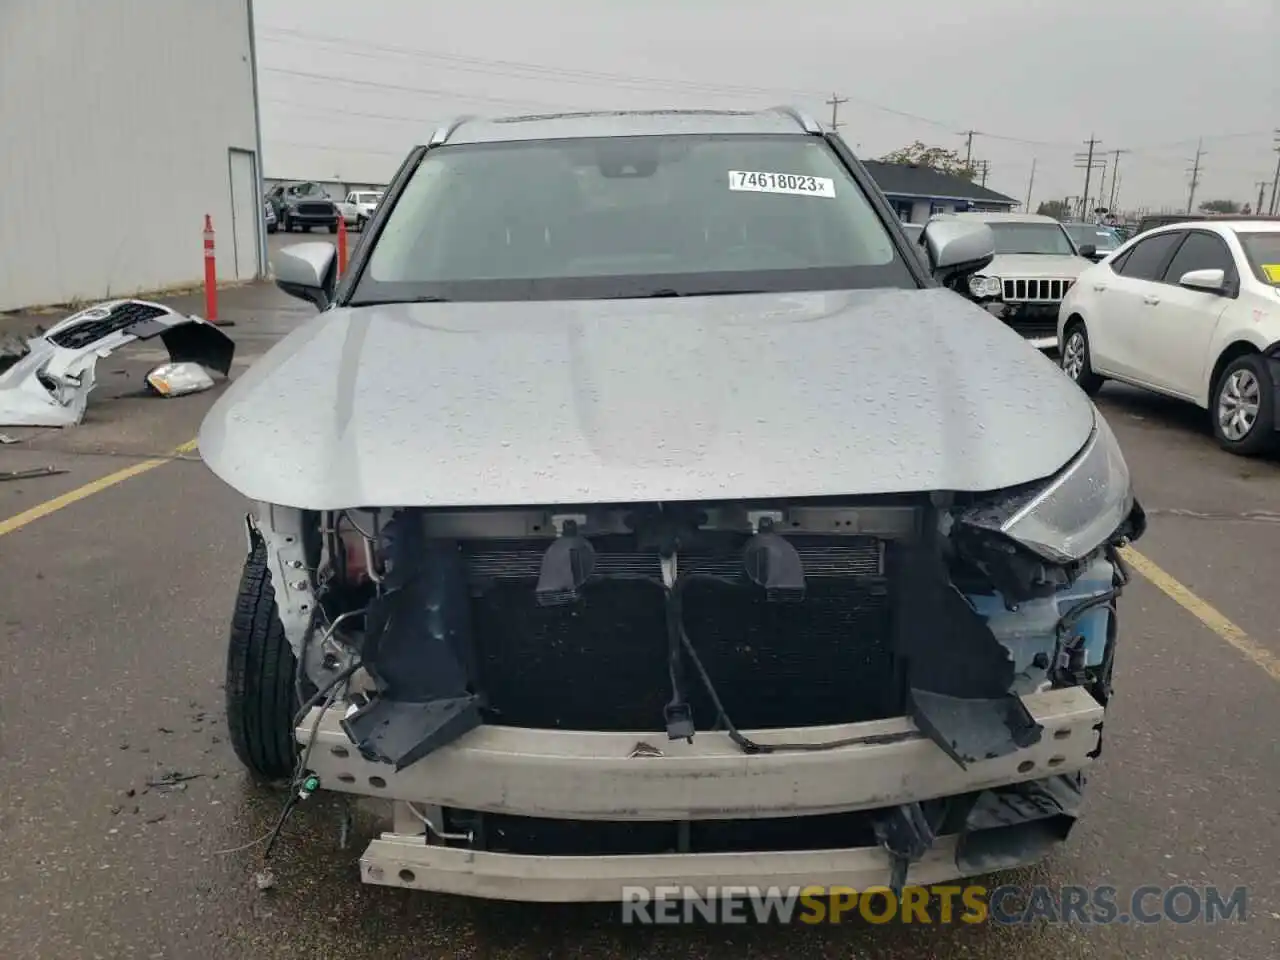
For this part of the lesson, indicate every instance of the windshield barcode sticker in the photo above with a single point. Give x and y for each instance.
(797, 184)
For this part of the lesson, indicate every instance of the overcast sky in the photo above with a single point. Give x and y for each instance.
(347, 88)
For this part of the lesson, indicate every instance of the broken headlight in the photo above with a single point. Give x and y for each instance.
(983, 287)
(1079, 509)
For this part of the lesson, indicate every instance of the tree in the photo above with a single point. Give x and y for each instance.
(935, 158)
(1219, 206)
(1053, 208)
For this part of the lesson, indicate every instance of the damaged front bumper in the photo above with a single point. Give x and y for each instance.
(49, 381)
(1005, 811)
(896, 691)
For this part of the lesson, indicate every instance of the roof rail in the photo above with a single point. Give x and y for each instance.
(445, 130)
(807, 123)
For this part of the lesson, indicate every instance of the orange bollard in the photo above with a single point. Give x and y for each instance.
(210, 273)
(342, 244)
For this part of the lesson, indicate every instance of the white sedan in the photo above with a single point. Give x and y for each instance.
(1191, 310)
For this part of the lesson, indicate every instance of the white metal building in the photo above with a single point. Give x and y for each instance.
(122, 123)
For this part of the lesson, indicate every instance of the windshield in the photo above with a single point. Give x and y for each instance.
(1044, 238)
(1103, 238)
(634, 216)
(1262, 249)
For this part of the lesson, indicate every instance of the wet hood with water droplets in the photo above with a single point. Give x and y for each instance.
(722, 397)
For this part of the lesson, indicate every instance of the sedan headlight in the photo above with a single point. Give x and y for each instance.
(984, 286)
(1078, 510)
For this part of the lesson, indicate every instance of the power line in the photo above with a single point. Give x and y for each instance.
(1195, 175)
(1089, 166)
(523, 71)
(325, 110)
(834, 104)
(1115, 176)
(527, 71)
(427, 91)
(338, 149)
(1275, 181)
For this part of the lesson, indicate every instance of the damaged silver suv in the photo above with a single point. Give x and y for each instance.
(641, 508)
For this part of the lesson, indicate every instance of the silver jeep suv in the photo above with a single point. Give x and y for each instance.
(1036, 263)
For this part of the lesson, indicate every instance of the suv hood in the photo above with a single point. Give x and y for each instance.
(704, 398)
(1037, 265)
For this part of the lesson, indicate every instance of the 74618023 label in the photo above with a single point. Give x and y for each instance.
(794, 183)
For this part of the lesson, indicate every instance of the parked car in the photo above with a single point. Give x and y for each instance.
(269, 215)
(358, 208)
(641, 506)
(1167, 219)
(301, 206)
(1104, 240)
(1192, 311)
(1036, 263)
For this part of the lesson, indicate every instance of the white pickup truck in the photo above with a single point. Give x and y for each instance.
(359, 206)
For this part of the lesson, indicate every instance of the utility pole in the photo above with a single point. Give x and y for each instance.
(1030, 183)
(1262, 193)
(1275, 181)
(1086, 161)
(1195, 175)
(834, 104)
(983, 167)
(968, 146)
(1115, 175)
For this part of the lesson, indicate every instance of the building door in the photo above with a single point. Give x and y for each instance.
(246, 211)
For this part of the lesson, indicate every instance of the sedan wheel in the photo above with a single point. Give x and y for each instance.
(1075, 360)
(1243, 406)
(1238, 405)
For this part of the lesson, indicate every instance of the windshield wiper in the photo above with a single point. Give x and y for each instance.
(669, 292)
(397, 300)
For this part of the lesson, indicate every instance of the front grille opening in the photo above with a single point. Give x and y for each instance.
(601, 664)
(1044, 291)
(121, 317)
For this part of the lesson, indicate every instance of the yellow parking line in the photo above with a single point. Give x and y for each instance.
(20, 520)
(1205, 612)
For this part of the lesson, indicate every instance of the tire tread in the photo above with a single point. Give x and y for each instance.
(260, 694)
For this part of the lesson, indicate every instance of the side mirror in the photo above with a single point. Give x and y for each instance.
(957, 249)
(308, 271)
(1210, 281)
(1089, 251)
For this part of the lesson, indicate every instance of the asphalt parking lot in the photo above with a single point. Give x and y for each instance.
(125, 815)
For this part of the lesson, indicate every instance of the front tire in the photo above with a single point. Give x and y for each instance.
(1242, 410)
(333, 228)
(360, 222)
(1077, 362)
(260, 692)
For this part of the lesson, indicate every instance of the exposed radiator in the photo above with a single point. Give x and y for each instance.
(601, 664)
